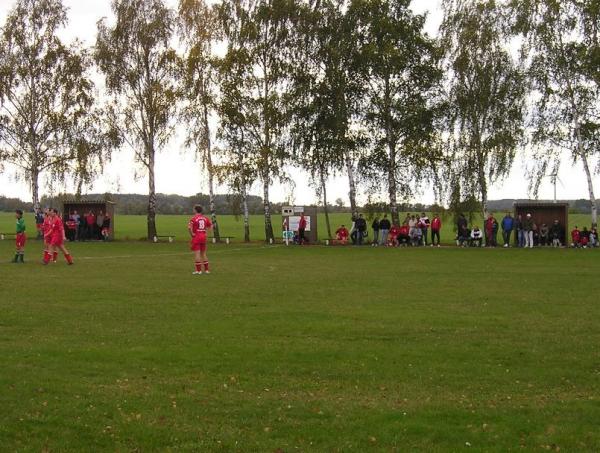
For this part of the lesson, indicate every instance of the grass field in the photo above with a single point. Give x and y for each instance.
(300, 349)
(130, 227)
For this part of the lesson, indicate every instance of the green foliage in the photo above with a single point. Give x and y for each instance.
(486, 97)
(48, 121)
(140, 69)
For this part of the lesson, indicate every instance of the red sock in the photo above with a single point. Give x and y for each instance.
(206, 266)
(54, 256)
(69, 258)
(198, 266)
(46, 256)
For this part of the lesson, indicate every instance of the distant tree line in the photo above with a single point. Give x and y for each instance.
(334, 87)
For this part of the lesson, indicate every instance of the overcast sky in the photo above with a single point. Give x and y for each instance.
(177, 172)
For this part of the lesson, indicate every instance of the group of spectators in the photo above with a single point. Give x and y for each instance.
(90, 226)
(414, 231)
(527, 233)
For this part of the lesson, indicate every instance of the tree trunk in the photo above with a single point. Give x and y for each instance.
(151, 197)
(352, 185)
(269, 238)
(246, 215)
(325, 208)
(594, 207)
(35, 188)
(209, 168)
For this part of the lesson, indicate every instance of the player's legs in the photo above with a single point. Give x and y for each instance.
(197, 260)
(66, 253)
(203, 257)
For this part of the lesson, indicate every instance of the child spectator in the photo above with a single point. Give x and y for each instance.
(416, 236)
(594, 237)
(476, 237)
(393, 236)
(584, 237)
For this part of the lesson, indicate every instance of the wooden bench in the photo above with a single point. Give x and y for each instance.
(3, 235)
(168, 237)
(227, 239)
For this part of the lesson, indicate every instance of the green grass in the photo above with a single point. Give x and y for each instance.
(300, 349)
(130, 227)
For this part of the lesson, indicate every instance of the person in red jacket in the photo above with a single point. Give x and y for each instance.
(575, 237)
(302, 229)
(393, 235)
(342, 234)
(436, 226)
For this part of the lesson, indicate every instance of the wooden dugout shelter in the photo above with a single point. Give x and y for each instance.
(96, 206)
(545, 212)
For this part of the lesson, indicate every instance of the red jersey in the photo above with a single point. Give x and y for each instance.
(575, 236)
(199, 224)
(57, 228)
(302, 223)
(436, 224)
(404, 230)
(46, 226)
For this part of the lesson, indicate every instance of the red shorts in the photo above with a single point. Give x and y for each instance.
(198, 244)
(56, 241)
(48, 240)
(20, 240)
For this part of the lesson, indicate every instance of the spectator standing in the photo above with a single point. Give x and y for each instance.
(81, 230)
(99, 223)
(575, 236)
(384, 229)
(461, 226)
(436, 227)
(425, 223)
(302, 229)
(361, 229)
(412, 225)
(491, 227)
(519, 231)
(594, 237)
(75, 217)
(375, 225)
(90, 222)
(528, 230)
(39, 223)
(508, 224)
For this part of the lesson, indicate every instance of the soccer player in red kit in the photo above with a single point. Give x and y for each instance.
(47, 233)
(57, 238)
(198, 227)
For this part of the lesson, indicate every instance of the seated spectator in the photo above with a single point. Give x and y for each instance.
(476, 237)
(404, 235)
(555, 234)
(393, 235)
(106, 228)
(575, 237)
(544, 235)
(416, 236)
(584, 237)
(342, 234)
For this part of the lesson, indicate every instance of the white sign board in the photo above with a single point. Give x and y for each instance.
(295, 220)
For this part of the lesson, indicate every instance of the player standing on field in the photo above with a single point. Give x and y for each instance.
(198, 226)
(20, 238)
(47, 235)
(57, 238)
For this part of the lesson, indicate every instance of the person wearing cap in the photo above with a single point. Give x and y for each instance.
(528, 230)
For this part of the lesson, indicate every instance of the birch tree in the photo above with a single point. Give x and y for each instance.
(559, 46)
(257, 34)
(486, 96)
(47, 113)
(398, 66)
(140, 66)
(199, 32)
